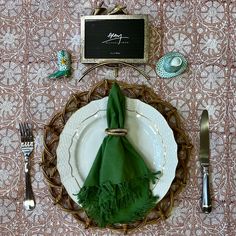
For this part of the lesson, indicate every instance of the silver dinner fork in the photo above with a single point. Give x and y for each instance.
(27, 146)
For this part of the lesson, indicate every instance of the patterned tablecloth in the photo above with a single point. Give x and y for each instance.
(31, 31)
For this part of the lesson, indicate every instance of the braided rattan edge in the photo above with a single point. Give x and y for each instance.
(80, 99)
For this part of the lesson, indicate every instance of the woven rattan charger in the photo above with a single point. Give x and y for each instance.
(98, 91)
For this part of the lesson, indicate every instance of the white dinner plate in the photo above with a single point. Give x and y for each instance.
(84, 132)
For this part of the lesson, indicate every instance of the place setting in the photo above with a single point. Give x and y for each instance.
(116, 155)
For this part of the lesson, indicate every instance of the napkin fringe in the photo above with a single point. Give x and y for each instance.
(102, 202)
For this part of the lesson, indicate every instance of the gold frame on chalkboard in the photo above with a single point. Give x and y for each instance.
(115, 17)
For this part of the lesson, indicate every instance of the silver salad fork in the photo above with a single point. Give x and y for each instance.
(27, 146)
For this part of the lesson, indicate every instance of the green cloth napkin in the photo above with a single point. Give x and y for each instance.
(117, 188)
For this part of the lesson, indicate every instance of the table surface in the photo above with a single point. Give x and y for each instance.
(31, 32)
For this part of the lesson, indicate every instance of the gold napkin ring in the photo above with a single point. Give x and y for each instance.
(116, 132)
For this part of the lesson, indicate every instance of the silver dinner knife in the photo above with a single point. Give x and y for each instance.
(204, 161)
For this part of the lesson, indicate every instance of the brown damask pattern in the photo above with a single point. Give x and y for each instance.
(31, 31)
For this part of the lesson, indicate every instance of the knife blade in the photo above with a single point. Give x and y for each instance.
(204, 161)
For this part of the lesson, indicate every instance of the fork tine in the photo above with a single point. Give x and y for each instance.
(26, 132)
(29, 132)
(20, 127)
(22, 132)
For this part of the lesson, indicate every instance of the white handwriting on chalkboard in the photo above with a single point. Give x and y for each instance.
(115, 38)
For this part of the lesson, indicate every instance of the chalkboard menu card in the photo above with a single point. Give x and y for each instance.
(114, 38)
